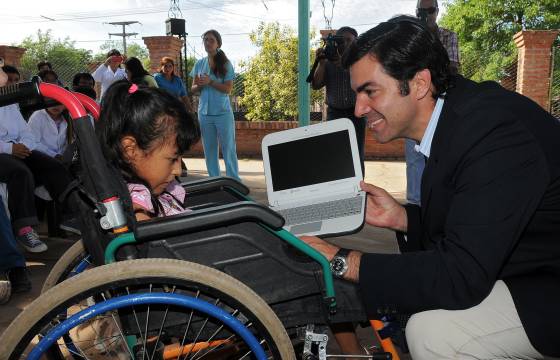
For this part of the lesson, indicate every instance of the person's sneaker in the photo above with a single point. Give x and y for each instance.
(71, 225)
(31, 242)
(5, 288)
(19, 278)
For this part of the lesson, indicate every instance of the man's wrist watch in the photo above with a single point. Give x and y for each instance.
(339, 263)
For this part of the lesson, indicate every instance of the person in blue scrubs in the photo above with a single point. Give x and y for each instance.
(166, 79)
(213, 79)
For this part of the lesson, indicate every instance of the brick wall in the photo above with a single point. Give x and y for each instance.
(160, 46)
(12, 55)
(534, 64)
(249, 137)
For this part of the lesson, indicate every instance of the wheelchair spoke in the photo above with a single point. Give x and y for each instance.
(210, 340)
(120, 330)
(161, 327)
(135, 317)
(187, 330)
(146, 328)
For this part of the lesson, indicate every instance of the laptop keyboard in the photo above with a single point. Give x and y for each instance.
(322, 211)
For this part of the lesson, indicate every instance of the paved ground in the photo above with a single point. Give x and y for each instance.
(389, 175)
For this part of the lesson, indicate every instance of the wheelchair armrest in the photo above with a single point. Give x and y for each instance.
(215, 182)
(207, 219)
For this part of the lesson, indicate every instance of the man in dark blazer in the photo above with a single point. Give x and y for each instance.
(480, 260)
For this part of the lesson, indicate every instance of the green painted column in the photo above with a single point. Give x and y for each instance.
(303, 62)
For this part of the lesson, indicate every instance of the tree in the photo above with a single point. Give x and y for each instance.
(270, 80)
(62, 54)
(485, 31)
(132, 50)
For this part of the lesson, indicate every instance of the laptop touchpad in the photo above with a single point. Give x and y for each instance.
(306, 228)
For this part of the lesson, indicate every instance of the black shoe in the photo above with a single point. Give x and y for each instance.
(71, 225)
(19, 277)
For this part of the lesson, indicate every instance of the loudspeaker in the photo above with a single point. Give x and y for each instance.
(175, 27)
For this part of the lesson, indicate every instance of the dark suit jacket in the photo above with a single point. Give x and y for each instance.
(490, 210)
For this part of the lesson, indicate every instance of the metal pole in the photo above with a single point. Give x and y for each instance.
(303, 62)
(124, 39)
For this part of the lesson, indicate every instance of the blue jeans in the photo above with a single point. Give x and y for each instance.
(10, 256)
(415, 163)
(219, 129)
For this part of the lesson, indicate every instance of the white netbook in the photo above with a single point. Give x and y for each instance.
(313, 176)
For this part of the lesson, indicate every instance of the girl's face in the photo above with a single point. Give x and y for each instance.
(55, 111)
(167, 68)
(158, 166)
(210, 43)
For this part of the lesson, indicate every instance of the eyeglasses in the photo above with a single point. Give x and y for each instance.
(429, 10)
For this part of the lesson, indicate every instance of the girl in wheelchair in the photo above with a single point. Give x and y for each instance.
(143, 132)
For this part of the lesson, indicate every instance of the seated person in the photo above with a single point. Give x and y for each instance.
(23, 168)
(144, 132)
(52, 130)
(83, 79)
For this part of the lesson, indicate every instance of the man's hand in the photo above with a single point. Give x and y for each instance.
(328, 250)
(20, 151)
(382, 210)
(320, 54)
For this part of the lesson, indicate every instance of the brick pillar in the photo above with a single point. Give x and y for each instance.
(12, 55)
(160, 46)
(534, 64)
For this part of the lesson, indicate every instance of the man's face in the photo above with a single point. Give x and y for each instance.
(431, 9)
(348, 39)
(86, 82)
(12, 79)
(44, 68)
(389, 114)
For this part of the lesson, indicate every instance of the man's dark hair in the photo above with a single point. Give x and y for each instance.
(403, 46)
(113, 52)
(82, 75)
(9, 69)
(43, 63)
(347, 29)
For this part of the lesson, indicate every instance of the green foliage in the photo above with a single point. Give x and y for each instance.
(132, 50)
(485, 29)
(62, 54)
(270, 80)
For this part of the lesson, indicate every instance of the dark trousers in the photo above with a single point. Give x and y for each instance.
(21, 177)
(10, 256)
(359, 125)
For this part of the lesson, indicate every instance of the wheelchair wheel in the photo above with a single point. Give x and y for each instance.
(72, 262)
(161, 330)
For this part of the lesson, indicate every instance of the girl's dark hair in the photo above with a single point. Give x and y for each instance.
(220, 59)
(151, 116)
(404, 46)
(137, 71)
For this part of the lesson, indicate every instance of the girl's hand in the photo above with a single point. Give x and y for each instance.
(382, 210)
(203, 80)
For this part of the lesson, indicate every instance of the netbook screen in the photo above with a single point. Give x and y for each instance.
(311, 161)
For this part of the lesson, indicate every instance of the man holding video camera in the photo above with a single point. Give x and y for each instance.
(330, 74)
(110, 71)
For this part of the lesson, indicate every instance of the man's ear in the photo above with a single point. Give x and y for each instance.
(422, 84)
(129, 147)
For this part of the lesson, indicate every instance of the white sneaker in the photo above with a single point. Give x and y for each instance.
(5, 288)
(32, 243)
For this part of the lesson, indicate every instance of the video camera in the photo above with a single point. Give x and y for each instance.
(332, 45)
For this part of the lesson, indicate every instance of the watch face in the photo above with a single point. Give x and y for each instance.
(338, 266)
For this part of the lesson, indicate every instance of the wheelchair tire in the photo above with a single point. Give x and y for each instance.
(64, 266)
(157, 274)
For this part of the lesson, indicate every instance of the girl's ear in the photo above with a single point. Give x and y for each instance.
(130, 147)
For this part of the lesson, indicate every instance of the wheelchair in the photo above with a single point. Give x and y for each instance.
(224, 281)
